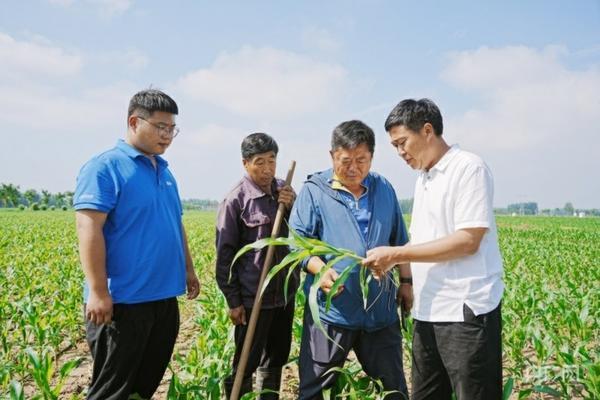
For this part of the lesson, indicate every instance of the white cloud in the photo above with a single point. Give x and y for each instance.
(320, 39)
(32, 92)
(213, 134)
(49, 132)
(26, 58)
(46, 108)
(486, 67)
(534, 121)
(32, 83)
(266, 83)
(529, 96)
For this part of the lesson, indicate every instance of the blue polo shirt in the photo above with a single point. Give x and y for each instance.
(359, 207)
(145, 259)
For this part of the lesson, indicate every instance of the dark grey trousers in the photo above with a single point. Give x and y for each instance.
(379, 353)
(271, 343)
(131, 353)
(460, 357)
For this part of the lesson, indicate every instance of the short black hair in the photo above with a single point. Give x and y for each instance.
(147, 101)
(350, 134)
(413, 114)
(258, 143)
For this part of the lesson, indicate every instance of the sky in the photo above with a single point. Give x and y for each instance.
(518, 83)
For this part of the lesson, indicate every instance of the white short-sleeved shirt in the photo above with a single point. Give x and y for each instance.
(456, 193)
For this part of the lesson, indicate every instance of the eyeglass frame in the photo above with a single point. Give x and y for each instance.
(163, 131)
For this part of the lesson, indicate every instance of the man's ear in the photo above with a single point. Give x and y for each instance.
(132, 122)
(428, 130)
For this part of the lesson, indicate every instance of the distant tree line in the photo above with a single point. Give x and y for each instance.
(526, 208)
(531, 208)
(200, 204)
(212, 205)
(12, 196)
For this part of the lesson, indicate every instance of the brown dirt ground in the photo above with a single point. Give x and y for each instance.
(77, 382)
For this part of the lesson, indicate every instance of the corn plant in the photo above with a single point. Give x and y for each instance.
(353, 384)
(303, 248)
(47, 379)
(550, 309)
(16, 391)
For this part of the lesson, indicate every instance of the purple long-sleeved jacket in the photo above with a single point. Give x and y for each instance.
(246, 215)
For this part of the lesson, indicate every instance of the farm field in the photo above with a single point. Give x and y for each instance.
(551, 312)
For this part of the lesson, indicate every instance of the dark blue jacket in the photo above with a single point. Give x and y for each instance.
(319, 212)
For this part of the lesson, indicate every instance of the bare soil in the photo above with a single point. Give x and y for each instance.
(78, 381)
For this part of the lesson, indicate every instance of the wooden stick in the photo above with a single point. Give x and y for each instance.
(241, 368)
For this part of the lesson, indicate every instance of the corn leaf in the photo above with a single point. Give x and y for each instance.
(292, 258)
(258, 245)
(342, 278)
(300, 249)
(288, 276)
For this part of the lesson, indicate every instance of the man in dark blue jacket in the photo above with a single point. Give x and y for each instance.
(350, 207)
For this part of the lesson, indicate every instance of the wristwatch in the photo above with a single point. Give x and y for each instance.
(406, 281)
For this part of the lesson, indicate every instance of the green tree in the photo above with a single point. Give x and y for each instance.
(60, 199)
(530, 208)
(569, 209)
(69, 198)
(9, 194)
(31, 196)
(46, 196)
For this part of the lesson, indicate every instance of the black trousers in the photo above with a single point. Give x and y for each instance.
(460, 357)
(271, 343)
(379, 354)
(131, 353)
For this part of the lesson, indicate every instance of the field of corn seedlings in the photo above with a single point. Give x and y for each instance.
(551, 313)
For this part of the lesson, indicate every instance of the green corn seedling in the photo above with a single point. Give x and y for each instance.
(302, 248)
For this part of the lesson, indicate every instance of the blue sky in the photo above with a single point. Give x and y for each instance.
(517, 83)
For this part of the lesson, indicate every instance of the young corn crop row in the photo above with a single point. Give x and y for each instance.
(551, 312)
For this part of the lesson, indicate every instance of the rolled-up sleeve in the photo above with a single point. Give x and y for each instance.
(227, 245)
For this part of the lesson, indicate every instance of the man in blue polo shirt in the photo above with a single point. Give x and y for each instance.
(134, 253)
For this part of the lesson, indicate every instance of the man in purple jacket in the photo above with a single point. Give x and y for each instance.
(246, 215)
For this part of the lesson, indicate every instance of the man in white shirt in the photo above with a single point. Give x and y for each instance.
(455, 260)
